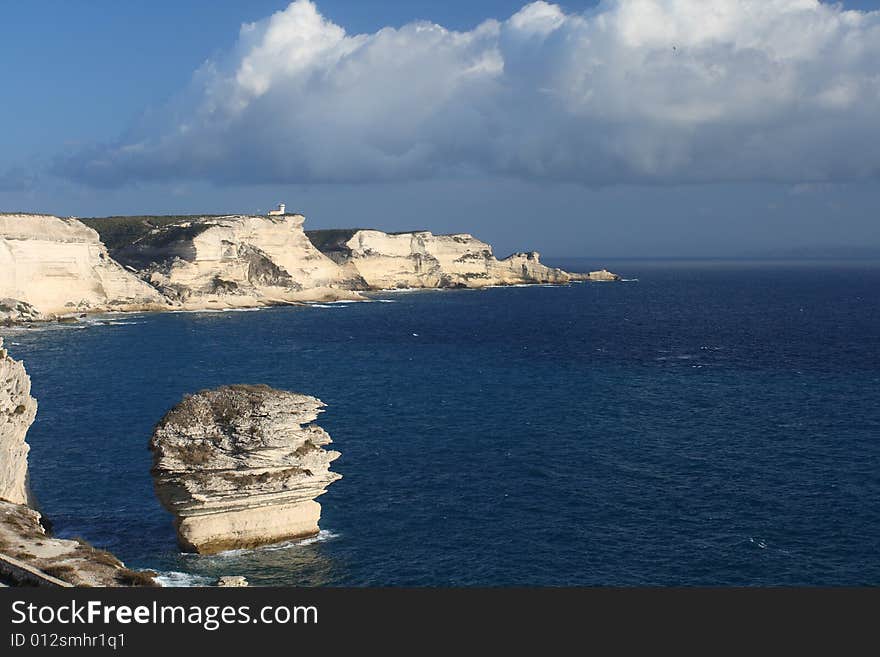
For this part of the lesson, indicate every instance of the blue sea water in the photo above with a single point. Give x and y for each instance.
(712, 423)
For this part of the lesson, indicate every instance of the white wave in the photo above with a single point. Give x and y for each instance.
(195, 311)
(326, 305)
(323, 535)
(413, 290)
(677, 357)
(176, 579)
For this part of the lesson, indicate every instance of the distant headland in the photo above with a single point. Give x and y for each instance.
(53, 267)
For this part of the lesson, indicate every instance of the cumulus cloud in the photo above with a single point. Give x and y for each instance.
(633, 91)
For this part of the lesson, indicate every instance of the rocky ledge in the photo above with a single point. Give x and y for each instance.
(425, 260)
(28, 553)
(241, 466)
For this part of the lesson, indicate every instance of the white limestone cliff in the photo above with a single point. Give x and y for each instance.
(602, 276)
(58, 266)
(17, 412)
(241, 466)
(237, 261)
(425, 260)
(29, 555)
(51, 266)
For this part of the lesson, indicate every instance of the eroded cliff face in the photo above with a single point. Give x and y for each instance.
(27, 551)
(51, 266)
(425, 260)
(237, 261)
(241, 466)
(17, 412)
(603, 276)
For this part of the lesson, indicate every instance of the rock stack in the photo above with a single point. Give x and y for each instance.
(241, 466)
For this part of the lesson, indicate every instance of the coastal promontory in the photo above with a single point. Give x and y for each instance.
(425, 260)
(240, 466)
(54, 268)
(230, 261)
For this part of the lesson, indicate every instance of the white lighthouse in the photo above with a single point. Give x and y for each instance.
(280, 211)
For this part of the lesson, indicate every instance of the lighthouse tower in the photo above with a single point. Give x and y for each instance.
(280, 211)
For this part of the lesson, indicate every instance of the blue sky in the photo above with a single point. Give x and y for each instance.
(90, 81)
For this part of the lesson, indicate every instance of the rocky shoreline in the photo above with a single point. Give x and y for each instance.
(29, 554)
(239, 466)
(54, 268)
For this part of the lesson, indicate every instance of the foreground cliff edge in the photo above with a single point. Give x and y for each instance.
(29, 555)
(241, 466)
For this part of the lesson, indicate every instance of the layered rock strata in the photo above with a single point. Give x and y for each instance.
(241, 466)
(425, 260)
(236, 261)
(17, 412)
(54, 266)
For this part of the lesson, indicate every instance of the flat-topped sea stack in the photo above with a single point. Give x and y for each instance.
(241, 466)
(228, 261)
(424, 260)
(54, 266)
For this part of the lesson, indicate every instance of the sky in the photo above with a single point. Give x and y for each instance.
(621, 128)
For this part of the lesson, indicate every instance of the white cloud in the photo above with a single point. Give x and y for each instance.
(633, 91)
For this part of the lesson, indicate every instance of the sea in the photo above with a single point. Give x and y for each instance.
(700, 423)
